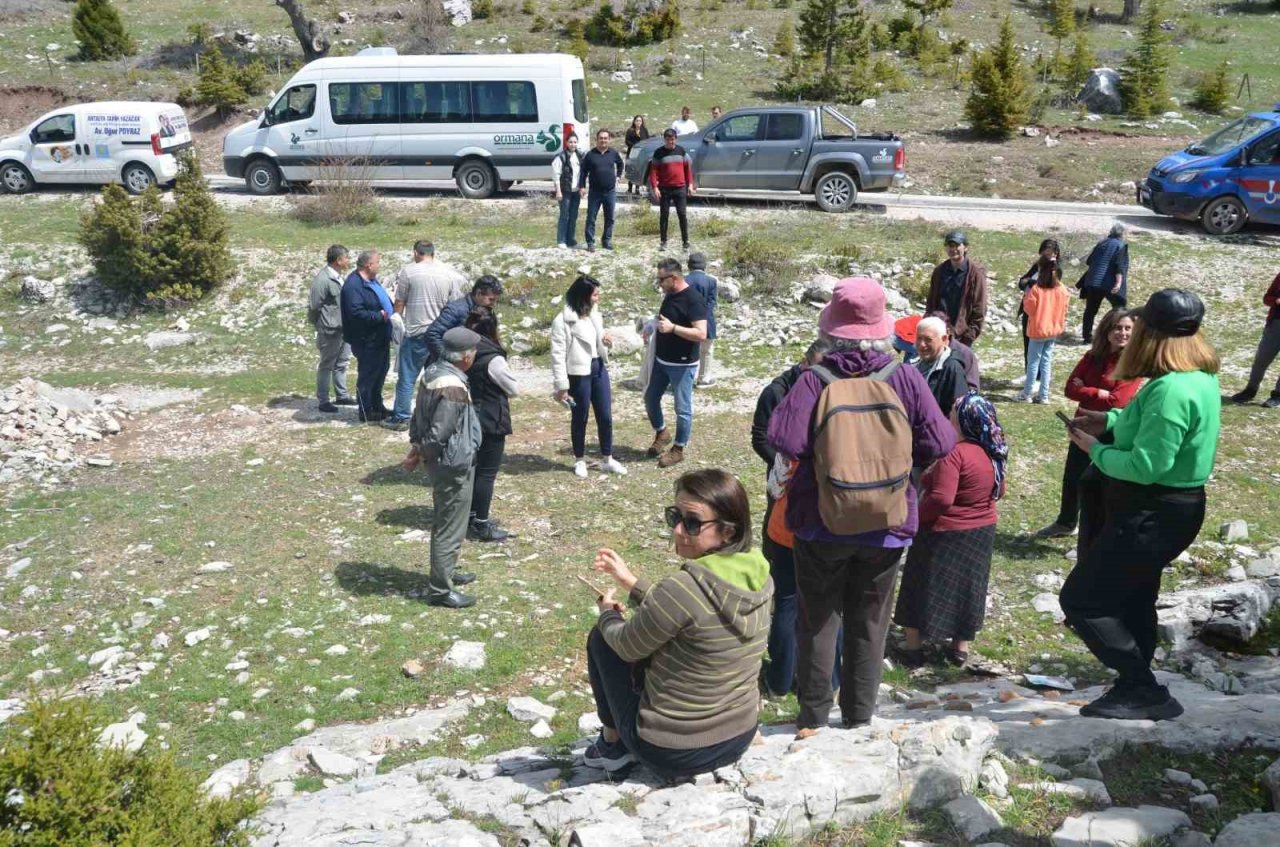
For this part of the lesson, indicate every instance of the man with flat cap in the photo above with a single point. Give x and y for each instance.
(958, 288)
(445, 433)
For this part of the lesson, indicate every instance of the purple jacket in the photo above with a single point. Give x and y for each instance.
(791, 433)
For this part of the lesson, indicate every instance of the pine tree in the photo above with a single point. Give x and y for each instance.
(1144, 77)
(189, 243)
(927, 9)
(1213, 91)
(1062, 20)
(784, 44)
(97, 26)
(578, 39)
(218, 85)
(836, 30)
(998, 103)
(1081, 62)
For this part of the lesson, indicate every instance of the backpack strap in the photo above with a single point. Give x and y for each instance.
(824, 374)
(884, 373)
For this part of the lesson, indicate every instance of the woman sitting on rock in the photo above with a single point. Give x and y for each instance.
(676, 684)
(944, 585)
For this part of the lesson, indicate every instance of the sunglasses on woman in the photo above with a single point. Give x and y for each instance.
(692, 524)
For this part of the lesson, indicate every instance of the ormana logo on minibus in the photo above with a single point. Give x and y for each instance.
(549, 138)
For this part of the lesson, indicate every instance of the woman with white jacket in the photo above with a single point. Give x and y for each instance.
(579, 357)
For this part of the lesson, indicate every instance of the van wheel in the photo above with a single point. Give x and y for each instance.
(15, 178)
(476, 180)
(137, 178)
(262, 177)
(303, 185)
(835, 192)
(1223, 216)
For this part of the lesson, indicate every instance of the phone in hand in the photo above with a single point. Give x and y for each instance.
(589, 584)
(1071, 424)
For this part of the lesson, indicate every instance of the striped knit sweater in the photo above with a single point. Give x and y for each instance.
(704, 631)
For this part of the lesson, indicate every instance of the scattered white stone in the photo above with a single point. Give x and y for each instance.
(215, 567)
(337, 650)
(374, 620)
(1177, 777)
(1119, 827)
(1233, 531)
(106, 656)
(223, 782)
(589, 723)
(1078, 789)
(1048, 604)
(127, 735)
(237, 715)
(1256, 830)
(994, 778)
(160, 641)
(17, 567)
(541, 729)
(333, 764)
(468, 655)
(196, 636)
(1271, 781)
(972, 817)
(1204, 804)
(528, 710)
(347, 695)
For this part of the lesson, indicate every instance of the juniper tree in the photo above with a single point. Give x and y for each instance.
(836, 30)
(784, 44)
(97, 26)
(1144, 76)
(999, 101)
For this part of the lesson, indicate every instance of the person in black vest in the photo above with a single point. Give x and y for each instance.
(492, 384)
(636, 133)
(601, 168)
(566, 173)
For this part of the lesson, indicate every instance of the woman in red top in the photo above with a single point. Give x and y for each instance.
(1091, 385)
(944, 584)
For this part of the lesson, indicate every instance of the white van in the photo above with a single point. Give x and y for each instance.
(483, 121)
(97, 143)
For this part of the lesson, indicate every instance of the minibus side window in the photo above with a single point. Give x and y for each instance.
(504, 102)
(298, 103)
(579, 101)
(364, 102)
(435, 102)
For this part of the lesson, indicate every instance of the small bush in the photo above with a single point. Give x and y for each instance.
(782, 4)
(159, 255)
(429, 28)
(61, 788)
(633, 28)
(578, 45)
(539, 24)
(667, 67)
(644, 220)
(999, 102)
(481, 9)
(784, 43)
(1144, 76)
(344, 195)
(1080, 64)
(1213, 92)
(714, 227)
(763, 257)
(252, 78)
(219, 84)
(528, 8)
(97, 26)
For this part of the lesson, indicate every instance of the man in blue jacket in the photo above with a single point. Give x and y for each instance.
(366, 326)
(705, 284)
(1107, 278)
(485, 292)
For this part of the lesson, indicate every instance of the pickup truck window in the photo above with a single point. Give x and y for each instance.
(784, 127)
(739, 128)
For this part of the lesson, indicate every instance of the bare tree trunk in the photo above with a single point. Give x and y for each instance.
(1130, 11)
(314, 43)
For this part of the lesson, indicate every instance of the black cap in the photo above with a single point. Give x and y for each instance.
(669, 133)
(697, 261)
(1173, 311)
(956, 236)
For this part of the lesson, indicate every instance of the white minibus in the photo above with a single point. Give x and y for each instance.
(484, 121)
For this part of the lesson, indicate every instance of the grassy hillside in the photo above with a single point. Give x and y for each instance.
(721, 58)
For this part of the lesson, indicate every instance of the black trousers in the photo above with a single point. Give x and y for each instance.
(618, 687)
(1077, 463)
(680, 198)
(1128, 536)
(836, 581)
(488, 460)
(372, 363)
(1093, 298)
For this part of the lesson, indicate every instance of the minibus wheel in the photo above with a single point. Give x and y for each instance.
(15, 178)
(476, 180)
(262, 177)
(1223, 215)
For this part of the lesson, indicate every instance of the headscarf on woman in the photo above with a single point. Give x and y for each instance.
(979, 424)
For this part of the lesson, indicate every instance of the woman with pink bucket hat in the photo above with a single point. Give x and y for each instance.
(849, 575)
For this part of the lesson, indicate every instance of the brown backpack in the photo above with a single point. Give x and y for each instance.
(861, 452)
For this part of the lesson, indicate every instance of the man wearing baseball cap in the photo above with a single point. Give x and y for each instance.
(445, 433)
(958, 289)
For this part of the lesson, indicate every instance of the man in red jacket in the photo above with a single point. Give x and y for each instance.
(671, 178)
(1268, 348)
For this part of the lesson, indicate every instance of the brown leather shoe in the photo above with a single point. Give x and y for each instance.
(660, 441)
(672, 457)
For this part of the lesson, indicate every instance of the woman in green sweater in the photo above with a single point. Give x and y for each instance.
(1151, 503)
(676, 684)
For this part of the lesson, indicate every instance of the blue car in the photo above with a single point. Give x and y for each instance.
(1225, 181)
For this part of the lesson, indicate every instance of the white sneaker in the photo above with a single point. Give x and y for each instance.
(1022, 397)
(612, 465)
(561, 245)
(580, 469)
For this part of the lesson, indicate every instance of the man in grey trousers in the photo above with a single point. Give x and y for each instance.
(445, 433)
(325, 314)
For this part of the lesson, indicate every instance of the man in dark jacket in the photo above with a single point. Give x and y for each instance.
(942, 369)
(1107, 277)
(485, 292)
(958, 288)
(366, 326)
(445, 433)
(601, 169)
(706, 285)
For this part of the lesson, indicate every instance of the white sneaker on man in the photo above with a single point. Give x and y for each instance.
(580, 469)
(1022, 397)
(561, 246)
(612, 465)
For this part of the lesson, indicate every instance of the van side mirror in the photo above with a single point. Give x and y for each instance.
(33, 135)
(266, 119)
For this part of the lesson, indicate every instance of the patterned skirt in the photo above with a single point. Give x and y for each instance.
(944, 584)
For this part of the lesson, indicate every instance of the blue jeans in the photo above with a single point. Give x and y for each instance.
(1039, 366)
(413, 352)
(588, 393)
(680, 378)
(609, 199)
(567, 224)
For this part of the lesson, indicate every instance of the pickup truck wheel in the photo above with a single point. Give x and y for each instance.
(1223, 216)
(836, 192)
(15, 178)
(476, 180)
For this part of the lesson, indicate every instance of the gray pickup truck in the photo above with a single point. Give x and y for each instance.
(806, 149)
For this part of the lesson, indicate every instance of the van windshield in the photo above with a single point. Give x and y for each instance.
(1230, 136)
